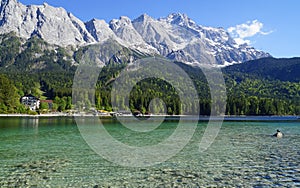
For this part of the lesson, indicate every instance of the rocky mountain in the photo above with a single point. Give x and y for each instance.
(55, 25)
(176, 36)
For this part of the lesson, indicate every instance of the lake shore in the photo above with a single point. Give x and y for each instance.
(169, 117)
(39, 115)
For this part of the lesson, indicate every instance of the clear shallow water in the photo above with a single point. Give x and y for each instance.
(51, 152)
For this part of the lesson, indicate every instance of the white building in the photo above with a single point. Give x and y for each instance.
(31, 101)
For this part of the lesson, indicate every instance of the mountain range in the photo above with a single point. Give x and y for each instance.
(176, 36)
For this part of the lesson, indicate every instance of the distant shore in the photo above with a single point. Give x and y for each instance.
(45, 115)
(170, 117)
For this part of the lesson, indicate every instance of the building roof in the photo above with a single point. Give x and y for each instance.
(30, 95)
(47, 101)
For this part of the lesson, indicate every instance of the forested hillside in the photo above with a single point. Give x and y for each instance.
(266, 86)
(283, 69)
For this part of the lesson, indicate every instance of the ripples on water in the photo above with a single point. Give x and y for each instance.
(50, 152)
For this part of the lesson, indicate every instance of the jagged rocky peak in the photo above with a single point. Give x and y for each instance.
(155, 33)
(123, 21)
(124, 29)
(55, 25)
(178, 19)
(144, 18)
(176, 36)
(100, 30)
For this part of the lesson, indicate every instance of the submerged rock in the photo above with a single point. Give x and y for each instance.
(33, 172)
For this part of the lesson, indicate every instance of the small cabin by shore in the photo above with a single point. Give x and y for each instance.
(31, 101)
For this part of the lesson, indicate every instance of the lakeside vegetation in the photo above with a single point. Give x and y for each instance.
(266, 86)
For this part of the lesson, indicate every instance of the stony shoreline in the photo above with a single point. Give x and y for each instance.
(40, 115)
(170, 117)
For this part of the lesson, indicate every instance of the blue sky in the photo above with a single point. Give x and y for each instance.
(269, 25)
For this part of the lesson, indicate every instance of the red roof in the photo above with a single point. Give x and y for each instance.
(47, 101)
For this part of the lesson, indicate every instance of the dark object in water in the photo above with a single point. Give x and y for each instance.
(278, 134)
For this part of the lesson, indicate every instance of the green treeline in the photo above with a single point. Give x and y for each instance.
(266, 86)
(245, 96)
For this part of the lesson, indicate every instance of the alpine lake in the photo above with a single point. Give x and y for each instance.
(50, 152)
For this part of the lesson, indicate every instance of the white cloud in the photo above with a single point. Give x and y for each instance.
(246, 30)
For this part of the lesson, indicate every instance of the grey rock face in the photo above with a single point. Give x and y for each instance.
(176, 36)
(100, 30)
(54, 25)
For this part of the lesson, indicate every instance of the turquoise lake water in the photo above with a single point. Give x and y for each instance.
(50, 152)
